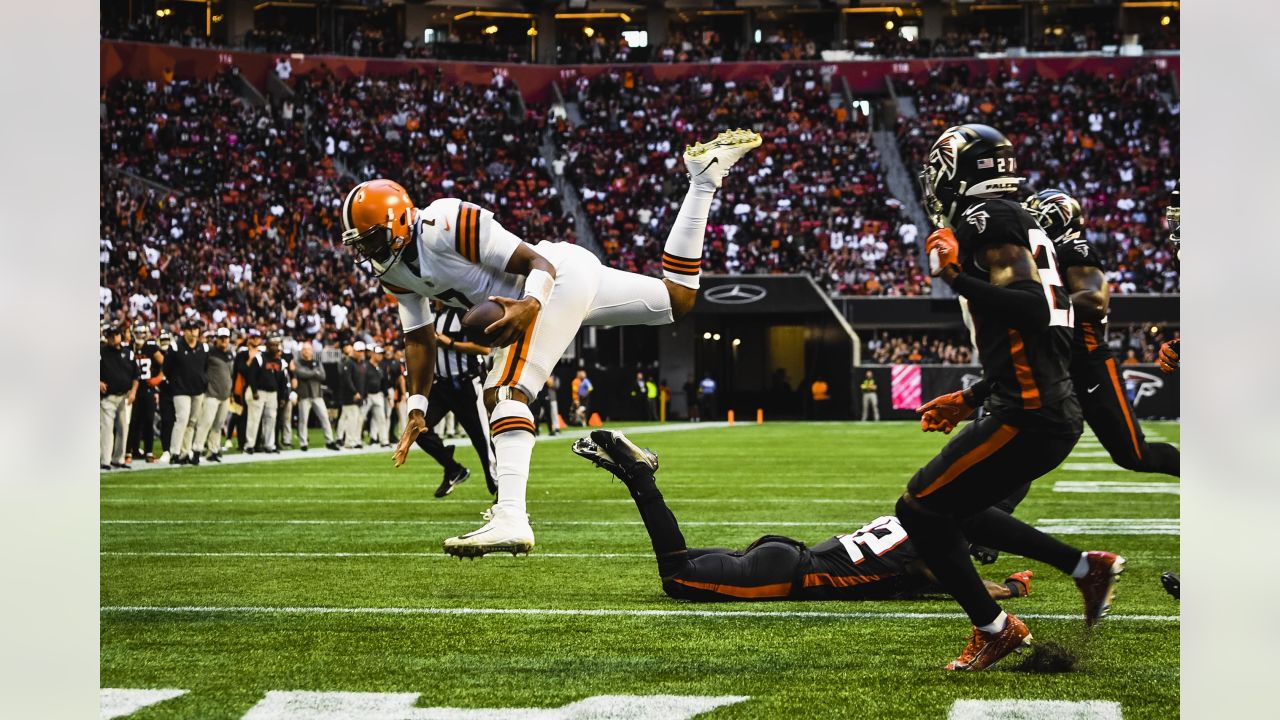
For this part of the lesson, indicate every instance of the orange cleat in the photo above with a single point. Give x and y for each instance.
(1099, 585)
(987, 649)
(1022, 580)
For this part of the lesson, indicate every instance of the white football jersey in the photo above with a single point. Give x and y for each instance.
(462, 253)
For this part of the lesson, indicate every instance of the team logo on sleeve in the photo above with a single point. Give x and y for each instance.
(977, 217)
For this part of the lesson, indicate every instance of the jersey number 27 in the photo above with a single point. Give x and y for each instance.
(1060, 311)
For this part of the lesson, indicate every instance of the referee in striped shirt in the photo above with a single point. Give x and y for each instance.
(460, 365)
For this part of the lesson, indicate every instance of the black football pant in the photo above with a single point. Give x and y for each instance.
(1107, 410)
(166, 419)
(142, 423)
(983, 464)
(460, 396)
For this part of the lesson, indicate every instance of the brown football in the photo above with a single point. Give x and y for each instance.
(478, 318)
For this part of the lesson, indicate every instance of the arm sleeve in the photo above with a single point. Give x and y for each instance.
(479, 238)
(1022, 303)
(415, 311)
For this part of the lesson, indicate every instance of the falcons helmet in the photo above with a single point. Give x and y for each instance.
(966, 161)
(1058, 214)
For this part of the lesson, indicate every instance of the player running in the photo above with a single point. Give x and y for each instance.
(1094, 371)
(458, 253)
(876, 562)
(990, 250)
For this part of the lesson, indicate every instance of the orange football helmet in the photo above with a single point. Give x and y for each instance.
(377, 222)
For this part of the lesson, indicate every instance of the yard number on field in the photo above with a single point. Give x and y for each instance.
(300, 705)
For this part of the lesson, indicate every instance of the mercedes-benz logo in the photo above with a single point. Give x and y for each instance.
(736, 294)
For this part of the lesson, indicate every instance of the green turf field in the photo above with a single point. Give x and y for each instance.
(232, 542)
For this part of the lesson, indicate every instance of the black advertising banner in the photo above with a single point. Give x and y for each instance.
(760, 295)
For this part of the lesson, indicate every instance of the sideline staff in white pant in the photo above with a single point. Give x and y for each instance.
(265, 378)
(217, 398)
(117, 388)
(350, 395)
(186, 367)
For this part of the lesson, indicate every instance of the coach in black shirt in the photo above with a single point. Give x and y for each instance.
(117, 387)
(186, 367)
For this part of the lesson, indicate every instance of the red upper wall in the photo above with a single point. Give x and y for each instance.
(142, 61)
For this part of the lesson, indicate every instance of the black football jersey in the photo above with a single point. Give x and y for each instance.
(1028, 367)
(1090, 337)
(875, 561)
(143, 358)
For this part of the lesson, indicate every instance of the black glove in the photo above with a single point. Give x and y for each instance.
(984, 555)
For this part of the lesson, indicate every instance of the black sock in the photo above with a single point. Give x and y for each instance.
(431, 443)
(664, 532)
(1002, 531)
(944, 549)
(1163, 458)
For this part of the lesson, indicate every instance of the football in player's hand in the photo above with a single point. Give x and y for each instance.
(480, 317)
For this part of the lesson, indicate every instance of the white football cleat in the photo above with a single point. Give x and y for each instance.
(708, 162)
(505, 532)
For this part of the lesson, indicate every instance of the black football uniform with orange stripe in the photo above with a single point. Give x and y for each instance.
(1098, 384)
(1025, 364)
(876, 562)
(1023, 331)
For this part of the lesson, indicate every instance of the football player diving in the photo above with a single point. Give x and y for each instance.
(458, 253)
(990, 250)
(1094, 370)
(875, 562)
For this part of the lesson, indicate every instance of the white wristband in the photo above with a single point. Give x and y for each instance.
(418, 402)
(538, 285)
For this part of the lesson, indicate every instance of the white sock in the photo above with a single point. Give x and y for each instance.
(996, 625)
(1082, 567)
(682, 253)
(511, 427)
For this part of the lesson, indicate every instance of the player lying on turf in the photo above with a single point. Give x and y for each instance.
(1095, 374)
(457, 252)
(876, 562)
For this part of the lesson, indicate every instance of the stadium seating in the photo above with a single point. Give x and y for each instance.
(1111, 141)
(815, 202)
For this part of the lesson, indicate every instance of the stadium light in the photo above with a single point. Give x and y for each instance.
(594, 16)
(716, 336)
(706, 336)
(492, 14)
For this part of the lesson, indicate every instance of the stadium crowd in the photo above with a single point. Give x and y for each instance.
(816, 203)
(1111, 141)
(939, 347)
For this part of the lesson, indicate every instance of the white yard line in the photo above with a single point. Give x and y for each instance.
(1066, 526)
(439, 555)
(429, 501)
(1102, 486)
(321, 453)
(589, 612)
(322, 555)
